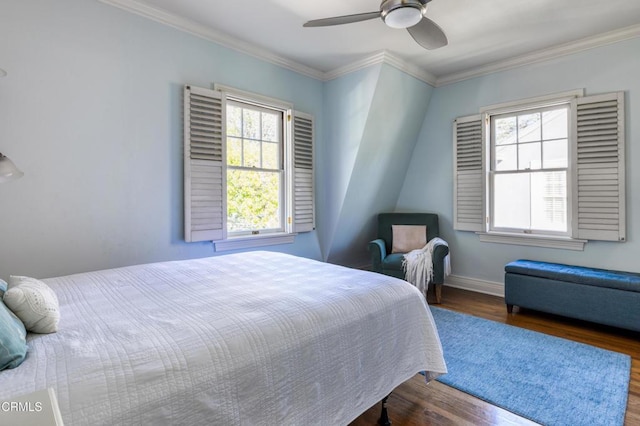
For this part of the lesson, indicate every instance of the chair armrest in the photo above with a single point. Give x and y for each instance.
(439, 254)
(378, 251)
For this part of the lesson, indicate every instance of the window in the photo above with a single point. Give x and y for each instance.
(547, 171)
(529, 170)
(255, 172)
(248, 169)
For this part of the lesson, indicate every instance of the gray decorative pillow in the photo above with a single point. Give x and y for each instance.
(34, 303)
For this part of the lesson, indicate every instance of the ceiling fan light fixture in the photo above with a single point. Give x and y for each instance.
(403, 17)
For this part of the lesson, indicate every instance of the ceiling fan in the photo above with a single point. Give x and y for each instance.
(409, 14)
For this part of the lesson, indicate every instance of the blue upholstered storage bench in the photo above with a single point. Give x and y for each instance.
(597, 295)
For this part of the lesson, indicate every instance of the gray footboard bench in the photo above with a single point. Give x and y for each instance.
(597, 295)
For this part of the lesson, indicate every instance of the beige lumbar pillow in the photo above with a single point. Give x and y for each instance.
(408, 237)
(34, 303)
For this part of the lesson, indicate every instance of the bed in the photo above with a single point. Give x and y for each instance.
(253, 338)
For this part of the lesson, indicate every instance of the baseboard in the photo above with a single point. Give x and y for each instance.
(474, 284)
(465, 283)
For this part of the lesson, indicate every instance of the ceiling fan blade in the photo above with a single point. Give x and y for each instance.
(339, 20)
(428, 34)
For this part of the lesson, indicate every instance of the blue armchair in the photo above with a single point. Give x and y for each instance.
(385, 262)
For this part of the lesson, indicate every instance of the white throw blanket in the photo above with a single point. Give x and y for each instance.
(418, 264)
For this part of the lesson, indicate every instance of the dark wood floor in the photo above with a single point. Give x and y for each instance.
(416, 403)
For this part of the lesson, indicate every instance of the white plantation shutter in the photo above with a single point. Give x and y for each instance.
(598, 158)
(303, 199)
(204, 165)
(468, 158)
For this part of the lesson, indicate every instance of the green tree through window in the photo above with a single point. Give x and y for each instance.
(254, 169)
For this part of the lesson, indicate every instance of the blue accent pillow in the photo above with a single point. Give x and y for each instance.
(3, 287)
(13, 343)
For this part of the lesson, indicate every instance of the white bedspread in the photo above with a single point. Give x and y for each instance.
(245, 339)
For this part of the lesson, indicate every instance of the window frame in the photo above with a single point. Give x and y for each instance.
(281, 169)
(488, 233)
(597, 171)
(205, 174)
(238, 240)
(492, 172)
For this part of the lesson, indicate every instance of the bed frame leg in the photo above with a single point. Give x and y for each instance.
(384, 416)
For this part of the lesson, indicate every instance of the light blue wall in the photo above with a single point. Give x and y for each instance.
(347, 101)
(429, 182)
(91, 112)
(372, 122)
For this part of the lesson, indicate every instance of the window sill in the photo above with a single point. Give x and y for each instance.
(565, 243)
(253, 241)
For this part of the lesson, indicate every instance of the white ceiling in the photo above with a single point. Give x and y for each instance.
(480, 32)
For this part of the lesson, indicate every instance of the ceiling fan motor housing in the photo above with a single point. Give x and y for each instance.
(402, 13)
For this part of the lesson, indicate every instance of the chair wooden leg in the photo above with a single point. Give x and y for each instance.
(438, 293)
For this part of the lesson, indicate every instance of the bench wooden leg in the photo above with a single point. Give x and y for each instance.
(509, 309)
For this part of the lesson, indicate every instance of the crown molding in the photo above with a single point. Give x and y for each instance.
(544, 54)
(207, 33)
(374, 59)
(410, 69)
(225, 40)
(380, 58)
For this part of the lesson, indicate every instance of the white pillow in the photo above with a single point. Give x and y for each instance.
(34, 303)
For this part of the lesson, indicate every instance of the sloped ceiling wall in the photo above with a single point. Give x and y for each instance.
(372, 121)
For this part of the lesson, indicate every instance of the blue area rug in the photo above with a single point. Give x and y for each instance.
(546, 379)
